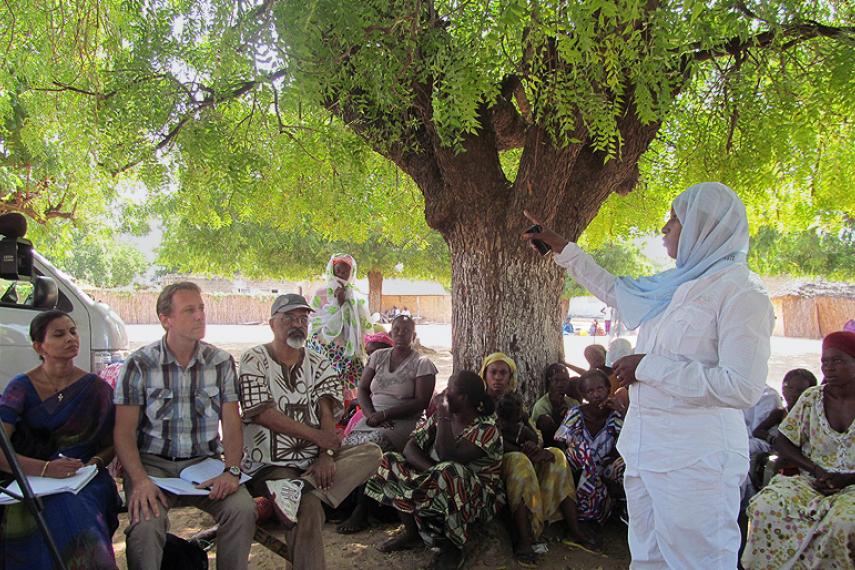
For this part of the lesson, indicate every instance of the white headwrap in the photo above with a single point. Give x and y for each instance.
(714, 237)
(618, 348)
(344, 324)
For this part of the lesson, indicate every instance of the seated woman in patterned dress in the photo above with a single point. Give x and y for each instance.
(808, 520)
(590, 432)
(448, 477)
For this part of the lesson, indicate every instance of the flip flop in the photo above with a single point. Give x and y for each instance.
(410, 545)
(579, 546)
(526, 559)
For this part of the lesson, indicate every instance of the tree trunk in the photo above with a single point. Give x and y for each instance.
(375, 291)
(505, 298)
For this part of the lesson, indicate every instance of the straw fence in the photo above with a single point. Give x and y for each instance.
(138, 308)
(804, 317)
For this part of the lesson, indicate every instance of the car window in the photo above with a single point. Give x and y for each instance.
(18, 293)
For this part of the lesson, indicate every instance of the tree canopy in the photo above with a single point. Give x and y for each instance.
(231, 94)
(91, 255)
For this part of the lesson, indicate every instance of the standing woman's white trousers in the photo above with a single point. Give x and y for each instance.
(685, 519)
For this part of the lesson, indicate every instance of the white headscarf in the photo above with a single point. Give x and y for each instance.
(618, 348)
(344, 324)
(714, 237)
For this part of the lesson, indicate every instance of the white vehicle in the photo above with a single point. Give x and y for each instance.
(587, 307)
(103, 337)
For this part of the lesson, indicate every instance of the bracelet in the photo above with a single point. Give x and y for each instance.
(97, 459)
(44, 469)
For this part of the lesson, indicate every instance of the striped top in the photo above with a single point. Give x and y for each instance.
(181, 407)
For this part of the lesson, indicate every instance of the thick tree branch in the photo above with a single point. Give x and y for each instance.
(797, 33)
(25, 202)
(197, 106)
(508, 124)
(594, 178)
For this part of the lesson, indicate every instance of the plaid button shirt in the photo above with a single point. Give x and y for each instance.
(182, 407)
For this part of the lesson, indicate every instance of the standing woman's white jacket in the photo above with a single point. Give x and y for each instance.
(706, 360)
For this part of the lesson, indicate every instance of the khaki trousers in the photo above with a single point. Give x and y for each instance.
(235, 516)
(353, 466)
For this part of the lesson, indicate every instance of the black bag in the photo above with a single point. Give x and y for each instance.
(180, 554)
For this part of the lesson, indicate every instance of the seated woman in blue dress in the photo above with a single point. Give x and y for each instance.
(60, 419)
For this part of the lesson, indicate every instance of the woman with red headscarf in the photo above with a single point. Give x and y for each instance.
(808, 521)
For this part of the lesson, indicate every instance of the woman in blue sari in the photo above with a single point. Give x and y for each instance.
(60, 419)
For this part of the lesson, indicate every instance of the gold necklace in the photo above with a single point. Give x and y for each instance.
(52, 383)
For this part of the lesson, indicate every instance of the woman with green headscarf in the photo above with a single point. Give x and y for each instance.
(339, 321)
(538, 482)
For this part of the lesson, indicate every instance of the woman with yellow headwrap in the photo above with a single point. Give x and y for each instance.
(538, 482)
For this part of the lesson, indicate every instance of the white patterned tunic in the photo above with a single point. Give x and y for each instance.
(264, 382)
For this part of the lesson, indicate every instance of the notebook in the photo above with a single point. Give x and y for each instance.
(185, 483)
(50, 486)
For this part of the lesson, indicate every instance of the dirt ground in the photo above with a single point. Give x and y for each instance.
(491, 548)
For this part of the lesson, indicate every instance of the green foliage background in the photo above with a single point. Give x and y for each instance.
(221, 111)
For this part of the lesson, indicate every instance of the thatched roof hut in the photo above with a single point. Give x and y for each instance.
(812, 310)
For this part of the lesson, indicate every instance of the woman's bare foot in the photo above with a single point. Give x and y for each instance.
(356, 522)
(403, 540)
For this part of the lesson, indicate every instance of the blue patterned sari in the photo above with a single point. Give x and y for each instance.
(77, 424)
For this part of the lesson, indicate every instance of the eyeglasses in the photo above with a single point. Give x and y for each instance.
(302, 319)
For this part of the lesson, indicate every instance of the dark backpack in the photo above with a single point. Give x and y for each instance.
(180, 554)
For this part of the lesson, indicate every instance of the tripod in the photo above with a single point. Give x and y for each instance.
(33, 503)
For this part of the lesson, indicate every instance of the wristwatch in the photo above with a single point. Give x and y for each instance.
(233, 470)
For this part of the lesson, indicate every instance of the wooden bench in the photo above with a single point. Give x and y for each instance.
(269, 534)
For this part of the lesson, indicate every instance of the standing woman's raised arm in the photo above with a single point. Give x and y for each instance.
(578, 264)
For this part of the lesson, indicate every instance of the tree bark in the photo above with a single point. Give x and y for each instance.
(375, 291)
(505, 298)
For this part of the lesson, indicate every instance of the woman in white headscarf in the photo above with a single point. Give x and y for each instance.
(701, 357)
(339, 321)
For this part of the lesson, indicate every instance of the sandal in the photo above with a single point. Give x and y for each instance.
(526, 559)
(589, 548)
(449, 558)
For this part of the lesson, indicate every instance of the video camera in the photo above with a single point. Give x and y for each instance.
(16, 253)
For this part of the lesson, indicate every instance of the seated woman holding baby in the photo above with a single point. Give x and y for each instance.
(448, 477)
(538, 482)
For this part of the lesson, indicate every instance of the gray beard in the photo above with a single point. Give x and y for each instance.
(296, 342)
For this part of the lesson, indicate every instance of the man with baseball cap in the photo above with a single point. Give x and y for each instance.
(289, 399)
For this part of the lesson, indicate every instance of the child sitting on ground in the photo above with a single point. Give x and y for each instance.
(517, 433)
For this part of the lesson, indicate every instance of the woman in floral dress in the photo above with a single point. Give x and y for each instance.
(590, 432)
(340, 319)
(808, 520)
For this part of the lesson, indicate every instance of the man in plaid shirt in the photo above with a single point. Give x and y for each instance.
(171, 398)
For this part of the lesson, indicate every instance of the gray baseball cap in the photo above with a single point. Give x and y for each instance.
(289, 302)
